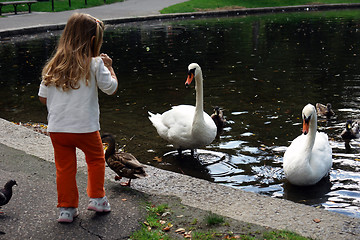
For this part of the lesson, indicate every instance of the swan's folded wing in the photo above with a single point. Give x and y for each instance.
(322, 143)
(322, 154)
(178, 121)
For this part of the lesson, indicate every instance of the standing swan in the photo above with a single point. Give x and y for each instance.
(309, 157)
(185, 126)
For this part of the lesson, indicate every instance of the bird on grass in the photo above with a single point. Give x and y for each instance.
(219, 120)
(6, 192)
(324, 111)
(122, 163)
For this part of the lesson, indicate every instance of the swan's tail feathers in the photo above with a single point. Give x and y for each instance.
(154, 117)
(156, 120)
(151, 115)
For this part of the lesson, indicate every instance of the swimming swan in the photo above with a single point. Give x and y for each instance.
(309, 157)
(185, 126)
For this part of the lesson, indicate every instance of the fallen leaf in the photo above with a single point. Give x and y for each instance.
(124, 199)
(317, 220)
(158, 159)
(180, 216)
(166, 229)
(187, 234)
(162, 222)
(165, 214)
(180, 230)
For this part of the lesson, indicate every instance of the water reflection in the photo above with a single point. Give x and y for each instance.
(262, 70)
(311, 195)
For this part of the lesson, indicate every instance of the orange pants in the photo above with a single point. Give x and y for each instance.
(65, 145)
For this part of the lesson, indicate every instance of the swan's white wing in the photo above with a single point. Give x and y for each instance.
(321, 157)
(179, 120)
(175, 124)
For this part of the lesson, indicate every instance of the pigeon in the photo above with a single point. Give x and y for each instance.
(6, 192)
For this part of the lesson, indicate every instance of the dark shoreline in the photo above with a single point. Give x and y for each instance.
(179, 16)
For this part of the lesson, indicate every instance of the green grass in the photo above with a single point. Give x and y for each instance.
(205, 235)
(59, 5)
(198, 5)
(157, 210)
(188, 6)
(273, 235)
(153, 228)
(282, 235)
(213, 219)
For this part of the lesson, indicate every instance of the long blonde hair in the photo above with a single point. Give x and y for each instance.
(80, 41)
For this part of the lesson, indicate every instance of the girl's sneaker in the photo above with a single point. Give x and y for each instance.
(67, 215)
(99, 204)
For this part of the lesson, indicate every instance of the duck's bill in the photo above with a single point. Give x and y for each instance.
(105, 146)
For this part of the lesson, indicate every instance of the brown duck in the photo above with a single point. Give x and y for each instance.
(219, 120)
(122, 163)
(350, 132)
(324, 111)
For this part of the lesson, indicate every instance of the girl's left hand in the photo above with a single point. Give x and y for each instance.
(106, 59)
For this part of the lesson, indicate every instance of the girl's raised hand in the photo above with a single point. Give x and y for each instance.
(108, 63)
(106, 59)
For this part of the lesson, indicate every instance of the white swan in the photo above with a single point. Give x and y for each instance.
(309, 157)
(185, 126)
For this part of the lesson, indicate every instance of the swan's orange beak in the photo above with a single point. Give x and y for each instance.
(189, 79)
(305, 127)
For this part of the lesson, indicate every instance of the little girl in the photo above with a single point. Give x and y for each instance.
(69, 88)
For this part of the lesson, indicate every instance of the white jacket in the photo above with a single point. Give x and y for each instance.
(77, 110)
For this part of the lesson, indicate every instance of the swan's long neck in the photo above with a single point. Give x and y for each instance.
(310, 140)
(199, 107)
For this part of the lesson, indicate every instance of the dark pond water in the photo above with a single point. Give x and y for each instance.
(261, 69)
